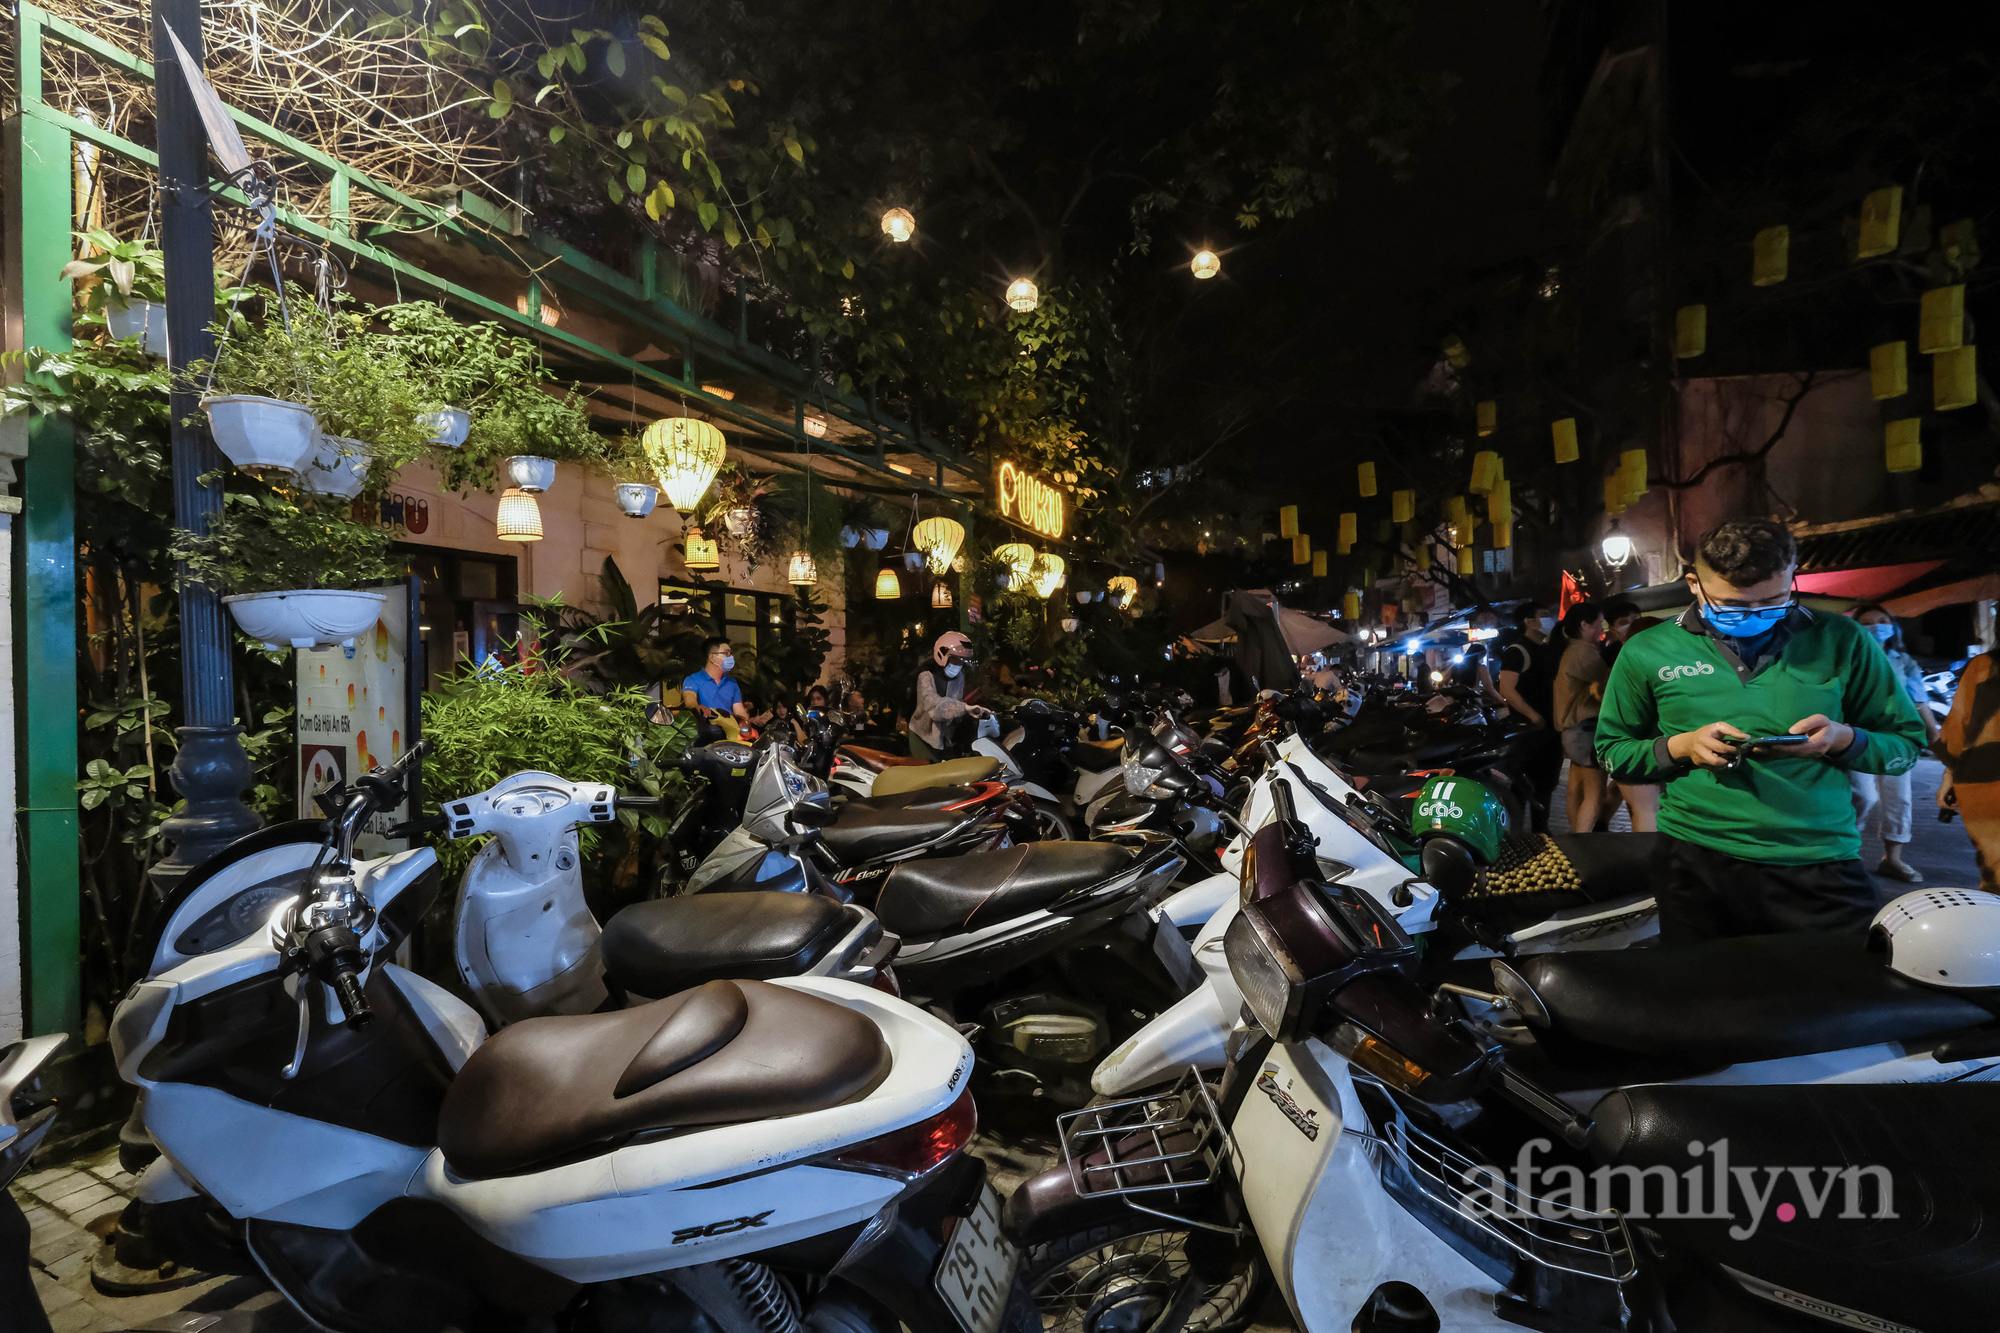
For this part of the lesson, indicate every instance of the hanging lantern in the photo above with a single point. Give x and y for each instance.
(816, 427)
(938, 539)
(1206, 264)
(1464, 561)
(1614, 493)
(888, 587)
(1503, 536)
(684, 454)
(1691, 331)
(702, 552)
(1488, 413)
(1632, 467)
(1018, 558)
(1904, 445)
(1455, 517)
(1365, 475)
(941, 597)
(1455, 352)
(1888, 370)
(899, 225)
(1288, 522)
(1302, 549)
(1402, 506)
(802, 571)
(1048, 574)
(1349, 532)
(1881, 223)
(1023, 295)
(1955, 378)
(1485, 471)
(1319, 564)
(1123, 588)
(1564, 432)
(1350, 606)
(519, 519)
(1770, 256)
(1941, 319)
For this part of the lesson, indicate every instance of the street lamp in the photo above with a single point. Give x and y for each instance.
(1617, 548)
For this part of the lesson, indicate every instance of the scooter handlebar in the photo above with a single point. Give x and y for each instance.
(1281, 800)
(334, 953)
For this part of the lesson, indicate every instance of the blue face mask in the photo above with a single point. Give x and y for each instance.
(1883, 632)
(1745, 622)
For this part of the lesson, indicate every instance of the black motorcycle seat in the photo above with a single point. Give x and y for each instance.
(726, 1052)
(923, 798)
(921, 899)
(669, 944)
(1096, 756)
(1758, 997)
(863, 834)
(1934, 1264)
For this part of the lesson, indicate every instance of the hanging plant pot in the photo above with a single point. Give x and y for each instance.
(738, 520)
(448, 426)
(1069, 624)
(338, 467)
(637, 499)
(875, 538)
(255, 432)
(530, 473)
(139, 319)
(913, 560)
(306, 618)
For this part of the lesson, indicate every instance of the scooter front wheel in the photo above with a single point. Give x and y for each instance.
(1134, 1276)
(1051, 824)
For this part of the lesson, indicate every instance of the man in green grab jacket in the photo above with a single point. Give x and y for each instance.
(1758, 839)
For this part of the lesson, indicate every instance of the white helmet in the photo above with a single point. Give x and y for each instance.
(1942, 937)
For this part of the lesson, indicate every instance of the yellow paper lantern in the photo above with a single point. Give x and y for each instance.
(1365, 474)
(1350, 606)
(1288, 522)
(1771, 256)
(1903, 443)
(1123, 590)
(1402, 506)
(1205, 264)
(939, 539)
(1488, 412)
(1023, 295)
(1881, 223)
(802, 570)
(1941, 319)
(1614, 493)
(1319, 564)
(1503, 536)
(1500, 505)
(1350, 529)
(1455, 352)
(1955, 378)
(1485, 471)
(1564, 432)
(1302, 550)
(1018, 557)
(1632, 468)
(1048, 574)
(1888, 370)
(941, 597)
(1691, 330)
(888, 587)
(702, 552)
(519, 518)
(1464, 560)
(898, 225)
(684, 454)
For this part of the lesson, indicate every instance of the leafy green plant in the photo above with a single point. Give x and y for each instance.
(128, 271)
(270, 541)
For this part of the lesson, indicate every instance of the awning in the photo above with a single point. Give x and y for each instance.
(1984, 588)
(1866, 585)
(1954, 531)
(1302, 633)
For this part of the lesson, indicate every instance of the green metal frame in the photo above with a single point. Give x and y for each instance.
(636, 299)
(40, 140)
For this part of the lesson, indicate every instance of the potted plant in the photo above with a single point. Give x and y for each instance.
(292, 572)
(369, 408)
(131, 291)
(865, 522)
(258, 391)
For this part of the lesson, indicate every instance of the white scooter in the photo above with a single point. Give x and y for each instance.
(1402, 1173)
(394, 1170)
(1350, 845)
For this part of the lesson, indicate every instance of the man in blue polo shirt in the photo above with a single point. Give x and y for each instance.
(712, 690)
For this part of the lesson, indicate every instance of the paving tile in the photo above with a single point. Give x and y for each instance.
(40, 1181)
(79, 1318)
(70, 1265)
(53, 1293)
(54, 1245)
(38, 1216)
(84, 1217)
(72, 1204)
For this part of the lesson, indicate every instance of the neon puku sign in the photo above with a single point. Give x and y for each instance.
(1028, 500)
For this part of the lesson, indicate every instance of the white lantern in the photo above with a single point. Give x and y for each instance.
(1023, 295)
(685, 454)
(519, 519)
(939, 540)
(898, 225)
(1048, 574)
(1206, 264)
(816, 427)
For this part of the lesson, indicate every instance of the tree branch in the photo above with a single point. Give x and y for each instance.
(1755, 455)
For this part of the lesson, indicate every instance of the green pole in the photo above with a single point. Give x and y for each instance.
(45, 582)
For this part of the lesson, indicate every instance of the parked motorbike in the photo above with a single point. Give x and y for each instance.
(765, 1154)
(25, 1120)
(1403, 1171)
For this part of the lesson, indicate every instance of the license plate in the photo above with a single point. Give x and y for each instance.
(977, 1271)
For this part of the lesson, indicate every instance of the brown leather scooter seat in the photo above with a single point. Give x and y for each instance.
(723, 1053)
(1096, 756)
(877, 760)
(958, 893)
(950, 773)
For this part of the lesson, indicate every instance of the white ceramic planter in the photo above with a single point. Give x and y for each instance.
(307, 618)
(139, 319)
(533, 475)
(1069, 624)
(448, 426)
(739, 519)
(875, 538)
(338, 467)
(913, 560)
(262, 432)
(637, 499)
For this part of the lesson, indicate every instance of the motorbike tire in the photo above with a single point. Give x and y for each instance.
(1051, 824)
(1126, 1275)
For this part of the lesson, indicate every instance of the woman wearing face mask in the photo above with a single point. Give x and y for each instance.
(941, 695)
(1757, 840)
(1891, 791)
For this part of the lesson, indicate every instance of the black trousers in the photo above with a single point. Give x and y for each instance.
(1541, 765)
(1709, 895)
(20, 1305)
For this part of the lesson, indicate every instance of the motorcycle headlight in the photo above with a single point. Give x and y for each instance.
(1139, 778)
(1273, 986)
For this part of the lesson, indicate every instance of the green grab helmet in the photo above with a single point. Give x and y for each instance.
(1467, 810)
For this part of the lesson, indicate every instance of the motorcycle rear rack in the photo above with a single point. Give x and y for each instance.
(1171, 1142)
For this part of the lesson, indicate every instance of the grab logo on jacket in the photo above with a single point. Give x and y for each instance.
(1687, 669)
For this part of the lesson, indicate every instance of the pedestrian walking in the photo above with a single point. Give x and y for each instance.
(1889, 793)
(1528, 666)
(1579, 696)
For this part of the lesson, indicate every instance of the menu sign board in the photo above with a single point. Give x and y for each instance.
(1028, 500)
